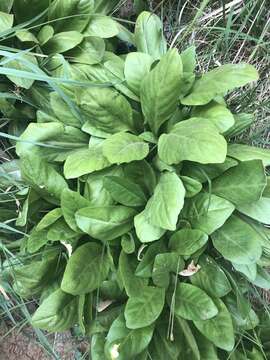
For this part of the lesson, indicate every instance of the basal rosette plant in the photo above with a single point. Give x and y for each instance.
(149, 224)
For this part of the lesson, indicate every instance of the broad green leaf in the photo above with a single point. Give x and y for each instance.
(71, 202)
(211, 278)
(50, 218)
(192, 303)
(36, 240)
(218, 114)
(28, 9)
(124, 148)
(87, 267)
(164, 206)
(75, 14)
(45, 34)
(105, 110)
(161, 346)
(85, 161)
(128, 243)
(6, 5)
(97, 347)
(58, 312)
(242, 121)
(207, 212)
(42, 176)
(63, 112)
(191, 185)
(144, 309)
(262, 279)
(206, 172)
(219, 329)
(246, 153)
(149, 37)
(90, 51)
(137, 66)
(133, 284)
(95, 191)
(124, 191)
(146, 231)
(101, 26)
(105, 6)
(160, 90)
(220, 81)
(6, 21)
(18, 64)
(188, 57)
(250, 271)
(237, 241)
(36, 133)
(26, 36)
(126, 342)
(60, 231)
(187, 241)
(196, 139)
(164, 264)
(187, 334)
(207, 350)
(257, 210)
(63, 42)
(146, 265)
(142, 173)
(241, 184)
(105, 223)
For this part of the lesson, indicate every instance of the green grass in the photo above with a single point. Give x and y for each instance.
(222, 31)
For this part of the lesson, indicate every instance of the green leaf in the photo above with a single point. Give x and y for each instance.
(246, 153)
(85, 161)
(28, 9)
(26, 36)
(192, 303)
(187, 241)
(127, 343)
(144, 309)
(42, 176)
(220, 81)
(207, 212)
(87, 267)
(187, 334)
(105, 110)
(146, 265)
(63, 42)
(62, 110)
(188, 57)
(211, 278)
(124, 148)
(149, 37)
(242, 121)
(167, 201)
(90, 51)
(137, 66)
(50, 218)
(18, 64)
(58, 312)
(45, 34)
(76, 14)
(101, 26)
(142, 173)
(207, 350)
(196, 139)
(160, 90)
(237, 241)
(218, 114)
(6, 21)
(145, 231)
(164, 264)
(241, 184)
(161, 346)
(258, 210)
(124, 191)
(128, 243)
(71, 202)
(133, 284)
(105, 223)
(219, 329)
(36, 240)
(105, 6)
(250, 271)
(191, 185)
(97, 347)
(60, 231)
(6, 5)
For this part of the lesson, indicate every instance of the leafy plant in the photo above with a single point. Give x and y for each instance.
(154, 222)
